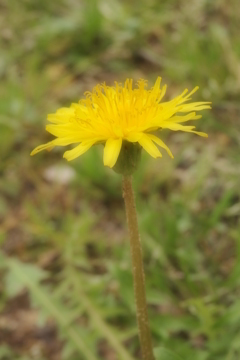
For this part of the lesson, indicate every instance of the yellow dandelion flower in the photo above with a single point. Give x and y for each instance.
(111, 115)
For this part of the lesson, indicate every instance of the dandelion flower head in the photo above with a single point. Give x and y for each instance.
(111, 115)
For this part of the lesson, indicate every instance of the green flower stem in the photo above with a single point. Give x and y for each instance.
(138, 271)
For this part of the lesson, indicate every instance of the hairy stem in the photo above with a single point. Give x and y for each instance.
(138, 271)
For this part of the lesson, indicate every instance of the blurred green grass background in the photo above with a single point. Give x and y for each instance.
(66, 290)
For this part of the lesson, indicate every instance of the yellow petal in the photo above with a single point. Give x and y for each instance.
(199, 133)
(62, 130)
(191, 93)
(61, 116)
(78, 150)
(184, 118)
(109, 114)
(52, 144)
(134, 137)
(156, 88)
(111, 151)
(163, 92)
(162, 144)
(149, 146)
(178, 127)
(196, 106)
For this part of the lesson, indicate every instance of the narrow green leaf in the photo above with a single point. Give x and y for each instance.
(24, 275)
(98, 322)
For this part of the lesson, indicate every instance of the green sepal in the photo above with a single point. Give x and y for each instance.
(129, 158)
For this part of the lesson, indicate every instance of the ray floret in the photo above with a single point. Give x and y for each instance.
(112, 115)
